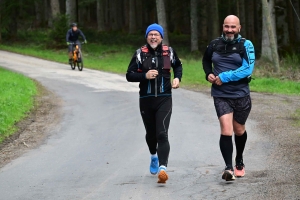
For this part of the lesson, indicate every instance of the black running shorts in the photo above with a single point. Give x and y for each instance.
(240, 107)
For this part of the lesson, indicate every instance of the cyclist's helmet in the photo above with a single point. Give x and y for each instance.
(73, 24)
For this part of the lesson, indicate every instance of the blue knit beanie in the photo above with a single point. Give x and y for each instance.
(155, 27)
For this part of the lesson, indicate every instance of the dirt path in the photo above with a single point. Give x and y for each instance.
(274, 114)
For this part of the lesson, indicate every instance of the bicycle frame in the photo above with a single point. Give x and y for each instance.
(76, 51)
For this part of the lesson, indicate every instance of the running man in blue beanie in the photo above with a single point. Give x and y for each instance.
(151, 66)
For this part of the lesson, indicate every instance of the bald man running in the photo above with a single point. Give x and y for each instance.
(228, 63)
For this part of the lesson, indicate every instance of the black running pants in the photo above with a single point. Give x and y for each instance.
(156, 113)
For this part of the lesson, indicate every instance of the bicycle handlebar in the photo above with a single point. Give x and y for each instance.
(76, 43)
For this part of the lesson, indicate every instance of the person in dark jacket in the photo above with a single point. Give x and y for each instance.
(151, 66)
(72, 37)
(233, 61)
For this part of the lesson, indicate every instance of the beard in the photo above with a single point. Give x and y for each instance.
(153, 46)
(230, 38)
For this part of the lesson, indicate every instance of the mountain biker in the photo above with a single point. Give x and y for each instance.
(233, 61)
(72, 37)
(150, 66)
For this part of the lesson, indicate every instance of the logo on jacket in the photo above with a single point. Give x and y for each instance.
(234, 48)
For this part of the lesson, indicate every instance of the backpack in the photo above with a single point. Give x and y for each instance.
(143, 53)
(236, 48)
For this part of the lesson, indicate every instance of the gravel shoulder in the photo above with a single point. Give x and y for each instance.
(276, 119)
(279, 123)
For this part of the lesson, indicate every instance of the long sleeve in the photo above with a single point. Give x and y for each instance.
(177, 66)
(132, 74)
(206, 61)
(247, 65)
(67, 36)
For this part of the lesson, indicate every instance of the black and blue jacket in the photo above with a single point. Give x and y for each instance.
(233, 62)
(160, 60)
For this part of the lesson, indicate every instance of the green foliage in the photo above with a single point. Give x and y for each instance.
(57, 35)
(275, 85)
(292, 60)
(16, 99)
(36, 37)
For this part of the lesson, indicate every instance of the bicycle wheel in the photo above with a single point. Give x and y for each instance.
(80, 64)
(73, 65)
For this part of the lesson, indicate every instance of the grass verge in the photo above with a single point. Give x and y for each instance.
(16, 100)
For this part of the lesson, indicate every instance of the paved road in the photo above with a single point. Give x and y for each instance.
(99, 152)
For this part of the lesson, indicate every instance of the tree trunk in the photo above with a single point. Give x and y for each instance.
(242, 16)
(113, 15)
(139, 14)
(38, 12)
(265, 47)
(194, 25)
(203, 22)
(46, 12)
(176, 17)
(296, 6)
(71, 10)
(119, 14)
(271, 33)
(106, 13)
(132, 17)
(100, 15)
(54, 4)
(250, 20)
(213, 20)
(126, 14)
(283, 35)
(162, 20)
(13, 22)
(54, 7)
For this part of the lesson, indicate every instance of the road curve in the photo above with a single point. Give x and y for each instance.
(98, 150)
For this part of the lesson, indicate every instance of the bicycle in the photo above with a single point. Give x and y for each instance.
(76, 54)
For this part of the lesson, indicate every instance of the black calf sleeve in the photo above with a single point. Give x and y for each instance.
(226, 150)
(240, 142)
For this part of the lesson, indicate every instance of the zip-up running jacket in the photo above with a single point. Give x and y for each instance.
(72, 36)
(154, 59)
(232, 64)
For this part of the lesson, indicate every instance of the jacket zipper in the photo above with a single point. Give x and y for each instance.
(156, 62)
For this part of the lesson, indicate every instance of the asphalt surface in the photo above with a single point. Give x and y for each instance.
(98, 150)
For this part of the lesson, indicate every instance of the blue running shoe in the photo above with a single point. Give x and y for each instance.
(154, 165)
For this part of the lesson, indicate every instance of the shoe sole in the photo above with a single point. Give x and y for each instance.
(162, 177)
(153, 173)
(239, 176)
(227, 176)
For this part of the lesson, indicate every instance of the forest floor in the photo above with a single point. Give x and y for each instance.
(273, 113)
